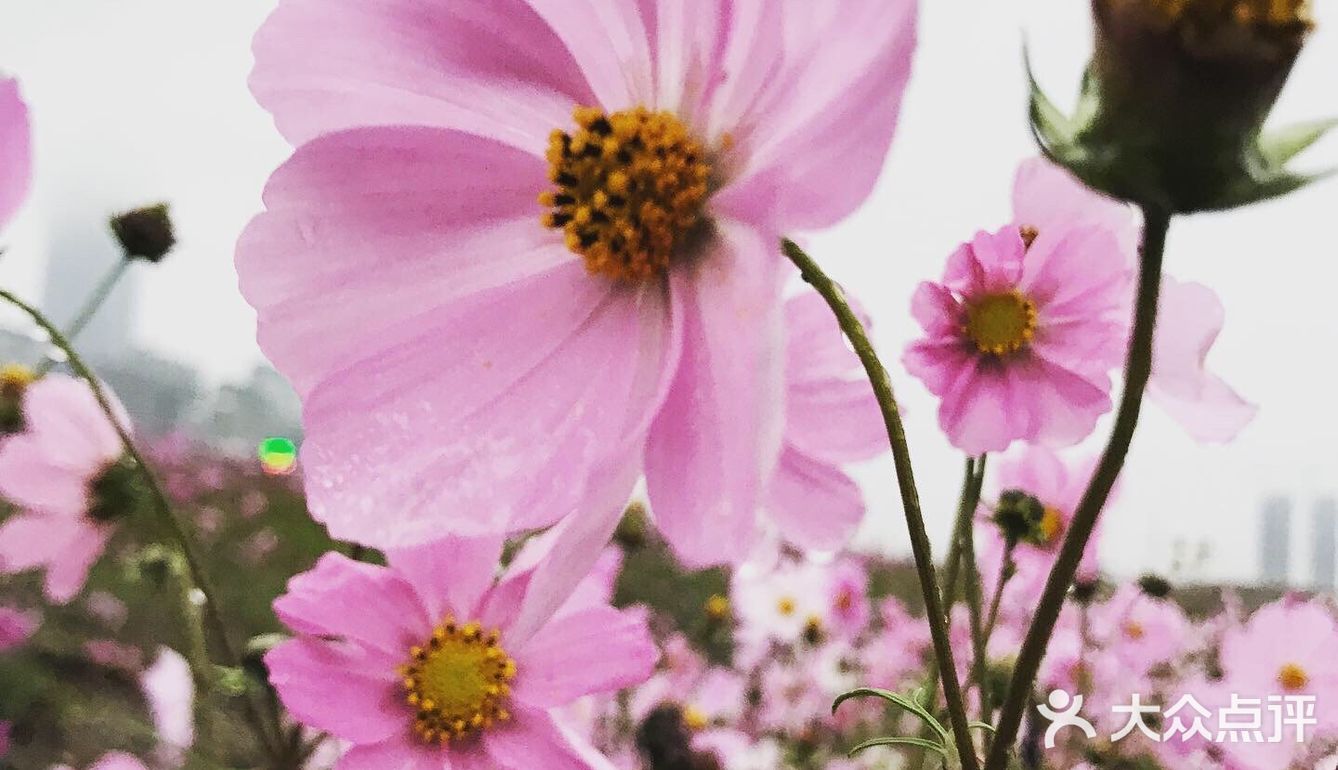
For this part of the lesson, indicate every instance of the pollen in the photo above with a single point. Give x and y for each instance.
(1001, 324)
(695, 719)
(717, 607)
(14, 378)
(1134, 630)
(629, 188)
(457, 683)
(786, 606)
(1052, 525)
(1293, 678)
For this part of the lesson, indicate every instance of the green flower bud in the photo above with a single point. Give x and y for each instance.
(1020, 517)
(1175, 101)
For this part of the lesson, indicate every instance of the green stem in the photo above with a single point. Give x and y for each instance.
(90, 308)
(1006, 568)
(979, 638)
(1137, 371)
(164, 508)
(910, 497)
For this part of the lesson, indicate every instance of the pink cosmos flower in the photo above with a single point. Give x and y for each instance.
(458, 344)
(1286, 648)
(15, 150)
(1189, 320)
(16, 626)
(169, 690)
(431, 663)
(1140, 630)
(1027, 323)
(848, 610)
(65, 473)
(831, 418)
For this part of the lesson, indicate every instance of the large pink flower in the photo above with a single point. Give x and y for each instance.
(15, 150)
(1027, 323)
(65, 473)
(459, 344)
(429, 663)
(831, 418)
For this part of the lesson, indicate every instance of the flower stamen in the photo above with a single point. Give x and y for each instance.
(457, 683)
(1000, 324)
(1293, 678)
(629, 187)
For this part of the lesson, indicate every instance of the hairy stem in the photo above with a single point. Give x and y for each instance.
(1136, 373)
(267, 731)
(910, 497)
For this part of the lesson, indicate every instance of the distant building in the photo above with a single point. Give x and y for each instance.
(239, 416)
(1325, 541)
(157, 392)
(81, 252)
(1275, 541)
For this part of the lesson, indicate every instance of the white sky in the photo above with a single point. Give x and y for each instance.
(139, 100)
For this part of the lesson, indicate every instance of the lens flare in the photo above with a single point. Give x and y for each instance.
(278, 456)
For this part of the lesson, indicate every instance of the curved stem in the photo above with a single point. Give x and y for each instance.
(1137, 371)
(91, 306)
(910, 497)
(161, 503)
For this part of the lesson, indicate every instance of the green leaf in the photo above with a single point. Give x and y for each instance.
(898, 699)
(917, 742)
(989, 728)
(1280, 146)
(1051, 126)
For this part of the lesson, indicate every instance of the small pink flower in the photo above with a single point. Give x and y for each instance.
(1140, 630)
(784, 605)
(169, 690)
(16, 626)
(831, 418)
(1024, 329)
(60, 472)
(457, 343)
(848, 610)
(431, 663)
(15, 150)
(1188, 323)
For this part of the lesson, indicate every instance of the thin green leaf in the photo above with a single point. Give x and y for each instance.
(917, 742)
(1280, 146)
(989, 728)
(1050, 125)
(898, 699)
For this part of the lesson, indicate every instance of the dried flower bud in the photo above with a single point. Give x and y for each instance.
(145, 233)
(1175, 102)
(1155, 586)
(1019, 516)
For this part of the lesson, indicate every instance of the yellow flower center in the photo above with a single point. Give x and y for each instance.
(1293, 678)
(1000, 324)
(695, 719)
(1052, 525)
(457, 682)
(15, 377)
(717, 607)
(629, 187)
(14, 380)
(1134, 630)
(785, 606)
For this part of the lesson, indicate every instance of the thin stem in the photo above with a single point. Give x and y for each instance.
(161, 504)
(979, 638)
(1137, 371)
(910, 497)
(1006, 568)
(90, 308)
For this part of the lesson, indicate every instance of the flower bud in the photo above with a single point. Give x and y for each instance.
(1019, 516)
(145, 233)
(1175, 102)
(1155, 586)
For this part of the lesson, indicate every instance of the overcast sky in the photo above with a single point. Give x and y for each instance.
(140, 100)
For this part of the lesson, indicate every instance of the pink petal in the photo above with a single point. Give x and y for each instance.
(34, 480)
(67, 571)
(578, 544)
(689, 35)
(936, 310)
(450, 575)
(532, 741)
(593, 651)
(815, 505)
(1077, 272)
(820, 149)
(15, 150)
(609, 42)
(362, 603)
(1047, 197)
(939, 362)
(752, 66)
(835, 421)
(369, 229)
(118, 760)
(1204, 404)
(970, 412)
(492, 416)
(489, 67)
(397, 754)
(327, 689)
(70, 428)
(716, 440)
